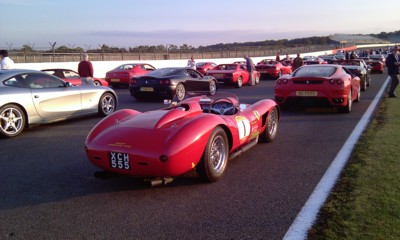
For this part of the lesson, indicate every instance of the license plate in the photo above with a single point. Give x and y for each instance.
(306, 93)
(146, 89)
(115, 80)
(119, 160)
(219, 75)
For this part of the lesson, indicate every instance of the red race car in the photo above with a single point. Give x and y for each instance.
(325, 84)
(123, 74)
(71, 76)
(200, 133)
(233, 74)
(273, 69)
(203, 67)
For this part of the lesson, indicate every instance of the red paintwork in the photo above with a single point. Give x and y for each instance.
(273, 68)
(230, 73)
(71, 76)
(122, 74)
(203, 67)
(288, 86)
(376, 66)
(181, 135)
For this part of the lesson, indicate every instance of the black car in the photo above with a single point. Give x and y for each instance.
(170, 82)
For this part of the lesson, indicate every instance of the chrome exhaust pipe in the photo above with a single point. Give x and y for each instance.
(159, 181)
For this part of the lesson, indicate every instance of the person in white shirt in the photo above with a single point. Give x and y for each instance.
(191, 63)
(6, 62)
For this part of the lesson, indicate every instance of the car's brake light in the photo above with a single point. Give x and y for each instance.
(282, 81)
(335, 80)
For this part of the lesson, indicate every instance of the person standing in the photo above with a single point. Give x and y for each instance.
(191, 63)
(6, 62)
(392, 63)
(250, 68)
(85, 70)
(277, 58)
(297, 62)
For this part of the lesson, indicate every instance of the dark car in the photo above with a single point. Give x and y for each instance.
(170, 82)
(359, 68)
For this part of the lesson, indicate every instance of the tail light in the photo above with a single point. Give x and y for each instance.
(335, 80)
(282, 81)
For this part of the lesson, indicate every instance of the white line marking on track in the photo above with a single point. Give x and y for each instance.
(309, 212)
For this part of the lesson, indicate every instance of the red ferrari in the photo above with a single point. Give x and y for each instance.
(203, 67)
(376, 66)
(273, 69)
(71, 76)
(233, 74)
(326, 84)
(200, 133)
(123, 74)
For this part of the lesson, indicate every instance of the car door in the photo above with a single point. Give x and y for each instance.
(52, 98)
(195, 81)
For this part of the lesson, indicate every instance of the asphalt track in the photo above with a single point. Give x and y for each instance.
(48, 190)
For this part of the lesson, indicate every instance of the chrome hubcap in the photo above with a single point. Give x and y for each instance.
(218, 154)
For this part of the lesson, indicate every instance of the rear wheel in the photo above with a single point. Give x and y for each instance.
(347, 108)
(12, 120)
(269, 134)
(213, 88)
(180, 91)
(239, 82)
(215, 157)
(107, 104)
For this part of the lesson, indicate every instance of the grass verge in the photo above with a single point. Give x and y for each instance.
(365, 203)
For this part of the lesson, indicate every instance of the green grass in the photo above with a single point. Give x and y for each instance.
(365, 203)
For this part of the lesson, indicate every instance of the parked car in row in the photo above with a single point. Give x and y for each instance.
(273, 69)
(121, 75)
(29, 97)
(73, 77)
(233, 74)
(168, 82)
(323, 84)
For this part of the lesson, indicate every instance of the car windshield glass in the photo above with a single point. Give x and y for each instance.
(325, 71)
(200, 64)
(163, 72)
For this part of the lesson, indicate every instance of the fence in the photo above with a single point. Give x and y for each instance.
(38, 57)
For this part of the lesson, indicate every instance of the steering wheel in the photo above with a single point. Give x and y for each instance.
(217, 108)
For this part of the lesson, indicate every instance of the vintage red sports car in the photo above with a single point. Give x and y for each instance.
(326, 84)
(273, 69)
(122, 74)
(203, 67)
(233, 74)
(73, 77)
(200, 133)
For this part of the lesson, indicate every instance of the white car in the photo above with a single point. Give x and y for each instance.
(33, 97)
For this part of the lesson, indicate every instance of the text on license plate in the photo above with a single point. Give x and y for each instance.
(119, 160)
(146, 89)
(114, 80)
(306, 93)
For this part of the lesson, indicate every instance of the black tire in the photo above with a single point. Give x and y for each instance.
(239, 82)
(347, 108)
(257, 79)
(12, 120)
(269, 134)
(107, 104)
(180, 91)
(215, 157)
(213, 88)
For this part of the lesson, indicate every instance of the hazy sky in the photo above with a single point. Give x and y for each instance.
(130, 23)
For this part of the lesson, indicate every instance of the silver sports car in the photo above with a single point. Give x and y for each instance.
(32, 97)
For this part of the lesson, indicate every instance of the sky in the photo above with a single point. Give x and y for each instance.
(130, 23)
